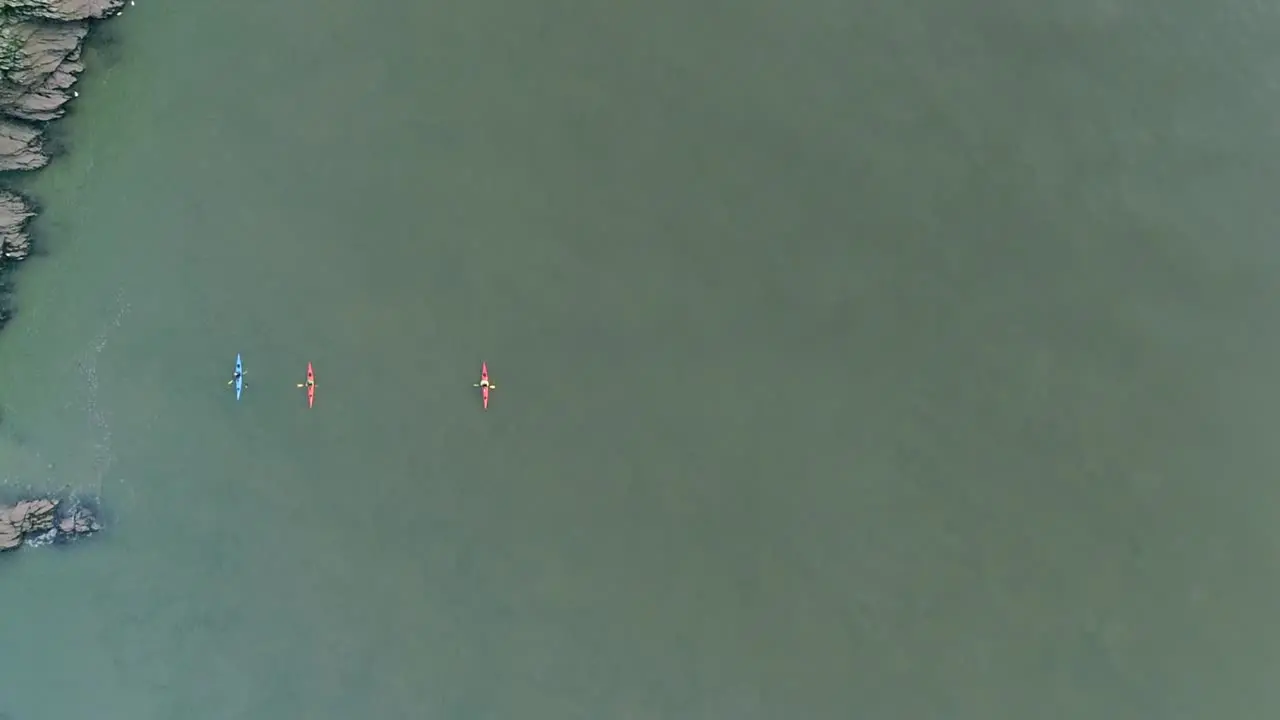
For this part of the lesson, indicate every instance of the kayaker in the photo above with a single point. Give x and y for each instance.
(236, 376)
(484, 384)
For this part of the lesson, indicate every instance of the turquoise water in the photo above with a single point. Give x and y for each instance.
(852, 360)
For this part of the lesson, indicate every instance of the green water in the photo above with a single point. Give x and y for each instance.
(853, 360)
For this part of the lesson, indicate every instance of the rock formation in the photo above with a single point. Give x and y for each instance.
(44, 520)
(40, 43)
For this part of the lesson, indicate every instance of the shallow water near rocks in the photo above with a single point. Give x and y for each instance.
(853, 359)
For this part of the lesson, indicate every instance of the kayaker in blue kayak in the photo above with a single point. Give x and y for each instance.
(239, 374)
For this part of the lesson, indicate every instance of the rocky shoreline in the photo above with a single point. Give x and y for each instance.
(40, 47)
(44, 520)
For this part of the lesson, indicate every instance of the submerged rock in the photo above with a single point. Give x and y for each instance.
(45, 519)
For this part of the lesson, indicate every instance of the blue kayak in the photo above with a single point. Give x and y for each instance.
(239, 376)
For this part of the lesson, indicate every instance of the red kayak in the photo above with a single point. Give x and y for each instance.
(484, 385)
(311, 386)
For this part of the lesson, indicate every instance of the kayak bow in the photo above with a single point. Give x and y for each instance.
(311, 386)
(239, 376)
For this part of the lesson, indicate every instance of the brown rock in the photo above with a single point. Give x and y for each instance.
(40, 42)
(25, 518)
(79, 521)
(20, 146)
(63, 9)
(41, 65)
(31, 518)
(10, 538)
(14, 214)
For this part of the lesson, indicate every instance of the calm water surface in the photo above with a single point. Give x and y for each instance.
(854, 359)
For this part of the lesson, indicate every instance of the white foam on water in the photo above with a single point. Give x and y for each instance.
(45, 538)
(98, 418)
(26, 467)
